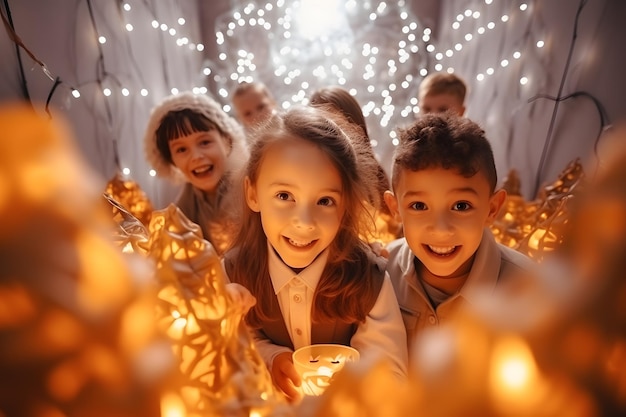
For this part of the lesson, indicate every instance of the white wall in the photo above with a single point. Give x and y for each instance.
(61, 34)
(519, 129)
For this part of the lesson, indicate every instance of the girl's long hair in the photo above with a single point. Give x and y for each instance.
(348, 278)
(339, 99)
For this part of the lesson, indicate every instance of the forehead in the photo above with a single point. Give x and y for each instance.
(440, 181)
(298, 160)
(251, 94)
(439, 98)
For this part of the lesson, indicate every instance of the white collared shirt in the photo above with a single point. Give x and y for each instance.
(295, 294)
(493, 264)
(381, 335)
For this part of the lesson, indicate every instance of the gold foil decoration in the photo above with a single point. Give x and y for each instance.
(220, 371)
(129, 194)
(537, 228)
(130, 234)
(76, 316)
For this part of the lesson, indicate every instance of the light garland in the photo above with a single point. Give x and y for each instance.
(379, 70)
(467, 21)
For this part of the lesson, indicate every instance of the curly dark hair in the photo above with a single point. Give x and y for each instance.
(448, 141)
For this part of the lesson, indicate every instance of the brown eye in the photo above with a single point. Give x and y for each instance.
(462, 206)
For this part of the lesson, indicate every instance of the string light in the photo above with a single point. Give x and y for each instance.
(389, 55)
(471, 35)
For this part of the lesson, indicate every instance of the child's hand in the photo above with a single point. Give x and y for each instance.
(285, 376)
(240, 296)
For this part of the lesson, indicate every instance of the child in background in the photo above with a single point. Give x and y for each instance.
(299, 252)
(253, 104)
(444, 180)
(338, 99)
(440, 92)
(190, 138)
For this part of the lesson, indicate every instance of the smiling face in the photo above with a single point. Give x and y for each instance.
(253, 106)
(201, 156)
(299, 196)
(444, 214)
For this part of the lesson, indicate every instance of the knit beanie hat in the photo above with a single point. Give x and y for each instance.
(206, 106)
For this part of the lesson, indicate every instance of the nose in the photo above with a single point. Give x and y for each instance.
(304, 217)
(196, 153)
(441, 225)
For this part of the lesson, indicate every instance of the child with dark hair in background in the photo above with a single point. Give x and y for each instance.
(190, 138)
(440, 92)
(444, 190)
(299, 251)
(338, 99)
(253, 103)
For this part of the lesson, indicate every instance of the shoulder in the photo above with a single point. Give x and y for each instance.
(400, 257)
(515, 258)
(514, 263)
(397, 248)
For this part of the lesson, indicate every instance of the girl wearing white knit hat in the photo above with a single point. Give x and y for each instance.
(190, 138)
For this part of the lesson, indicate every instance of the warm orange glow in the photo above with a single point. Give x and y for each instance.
(537, 227)
(219, 372)
(513, 368)
(130, 195)
(515, 382)
(172, 406)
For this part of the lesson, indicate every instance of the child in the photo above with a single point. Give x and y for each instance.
(440, 92)
(443, 181)
(299, 252)
(253, 104)
(339, 99)
(190, 138)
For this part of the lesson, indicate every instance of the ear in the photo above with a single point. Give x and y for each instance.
(462, 111)
(251, 197)
(392, 203)
(495, 204)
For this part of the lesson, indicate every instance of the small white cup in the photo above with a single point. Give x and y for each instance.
(316, 365)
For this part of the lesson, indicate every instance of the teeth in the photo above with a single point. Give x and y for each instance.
(445, 250)
(299, 244)
(202, 170)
